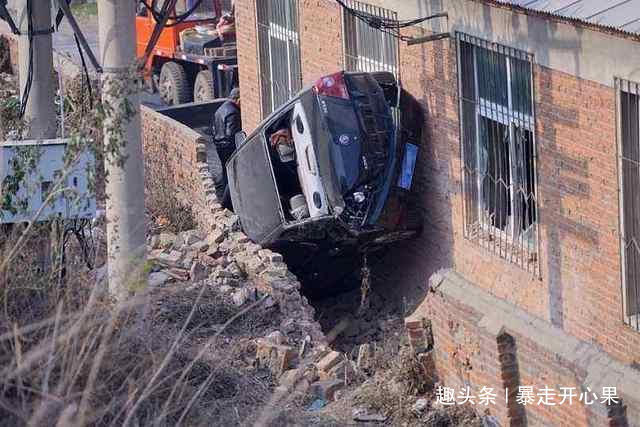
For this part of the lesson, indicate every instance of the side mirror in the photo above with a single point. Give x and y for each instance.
(240, 138)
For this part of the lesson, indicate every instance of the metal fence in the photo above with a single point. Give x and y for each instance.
(366, 48)
(498, 150)
(279, 51)
(628, 117)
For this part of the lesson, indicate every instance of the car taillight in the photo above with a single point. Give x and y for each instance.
(333, 85)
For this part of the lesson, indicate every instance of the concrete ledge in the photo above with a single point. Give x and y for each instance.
(480, 340)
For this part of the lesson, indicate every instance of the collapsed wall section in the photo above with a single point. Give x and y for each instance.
(182, 153)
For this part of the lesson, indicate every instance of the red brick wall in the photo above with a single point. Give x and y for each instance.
(471, 353)
(248, 65)
(172, 148)
(579, 286)
(320, 38)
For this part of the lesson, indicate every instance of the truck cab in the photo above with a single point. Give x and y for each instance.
(195, 58)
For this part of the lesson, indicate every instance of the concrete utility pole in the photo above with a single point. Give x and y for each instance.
(126, 225)
(40, 113)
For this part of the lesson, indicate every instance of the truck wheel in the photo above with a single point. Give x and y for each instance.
(203, 87)
(174, 85)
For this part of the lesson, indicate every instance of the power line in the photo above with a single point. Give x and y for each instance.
(177, 19)
(387, 25)
(27, 86)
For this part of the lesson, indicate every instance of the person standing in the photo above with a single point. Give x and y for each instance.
(227, 122)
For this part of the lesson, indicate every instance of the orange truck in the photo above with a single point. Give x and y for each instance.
(193, 60)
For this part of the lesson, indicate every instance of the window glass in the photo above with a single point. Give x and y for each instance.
(491, 69)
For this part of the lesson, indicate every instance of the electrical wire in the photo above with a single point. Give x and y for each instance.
(27, 86)
(85, 70)
(177, 19)
(386, 25)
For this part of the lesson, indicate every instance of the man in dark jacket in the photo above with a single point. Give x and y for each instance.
(226, 123)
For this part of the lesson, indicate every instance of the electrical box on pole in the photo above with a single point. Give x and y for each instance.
(73, 198)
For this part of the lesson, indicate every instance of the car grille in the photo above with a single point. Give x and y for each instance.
(376, 122)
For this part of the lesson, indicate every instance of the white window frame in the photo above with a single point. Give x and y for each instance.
(290, 37)
(518, 241)
(507, 116)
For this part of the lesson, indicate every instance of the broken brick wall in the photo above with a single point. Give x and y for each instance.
(181, 153)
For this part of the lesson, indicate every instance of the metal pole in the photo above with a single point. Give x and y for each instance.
(40, 113)
(126, 225)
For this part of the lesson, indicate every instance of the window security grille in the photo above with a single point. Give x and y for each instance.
(498, 150)
(629, 171)
(366, 48)
(279, 50)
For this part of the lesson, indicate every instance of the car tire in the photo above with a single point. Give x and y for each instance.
(203, 87)
(174, 85)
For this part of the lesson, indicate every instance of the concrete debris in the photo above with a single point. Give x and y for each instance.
(420, 406)
(187, 260)
(200, 246)
(216, 236)
(241, 296)
(154, 241)
(167, 240)
(277, 358)
(171, 259)
(365, 353)
(158, 279)
(277, 337)
(329, 361)
(225, 289)
(364, 415)
(239, 237)
(269, 302)
(303, 347)
(178, 273)
(326, 390)
(269, 256)
(198, 272)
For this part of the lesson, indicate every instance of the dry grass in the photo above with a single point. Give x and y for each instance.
(165, 358)
(166, 210)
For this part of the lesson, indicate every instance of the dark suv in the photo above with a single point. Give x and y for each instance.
(331, 169)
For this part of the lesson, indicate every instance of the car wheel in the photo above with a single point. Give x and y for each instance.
(174, 85)
(203, 87)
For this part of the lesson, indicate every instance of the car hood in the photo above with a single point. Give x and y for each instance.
(253, 190)
(322, 146)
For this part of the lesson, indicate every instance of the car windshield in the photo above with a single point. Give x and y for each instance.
(204, 10)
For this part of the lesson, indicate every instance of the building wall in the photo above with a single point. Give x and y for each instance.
(247, 43)
(578, 290)
(320, 41)
(482, 341)
(177, 152)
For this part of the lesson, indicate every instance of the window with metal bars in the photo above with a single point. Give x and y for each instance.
(279, 51)
(629, 168)
(366, 48)
(498, 150)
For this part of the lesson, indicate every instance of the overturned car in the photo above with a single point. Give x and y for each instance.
(330, 172)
